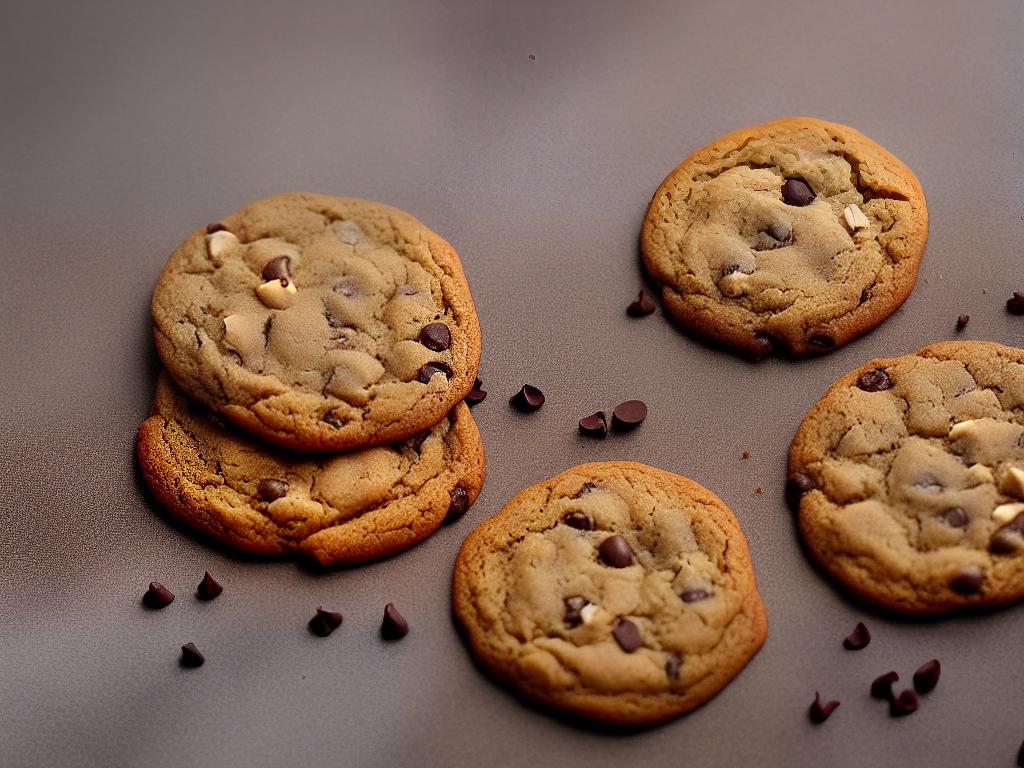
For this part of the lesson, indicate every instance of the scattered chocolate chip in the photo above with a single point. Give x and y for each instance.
(874, 381)
(881, 687)
(476, 395)
(595, 425)
(927, 676)
(579, 521)
(394, 626)
(820, 710)
(859, 638)
(615, 551)
(527, 399)
(629, 415)
(209, 587)
(191, 656)
(954, 517)
(821, 341)
(459, 505)
(157, 596)
(324, 622)
(427, 371)
(672, 665)
(279, 268)
(215, 227)
(962, 321)
(436, 336)
(627, 635)
(903, 704)
(695, 594)
(641, 307)
(1015, 304)
(270, 488)
(796, 486)
(573, 606)
(968, 581)
(797, 192)
(1020, 756)
(532, 57)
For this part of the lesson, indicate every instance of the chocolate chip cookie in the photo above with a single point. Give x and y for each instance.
(613, 591)
(909, 477)
(339, 508)
(791, 237)
(319, 323)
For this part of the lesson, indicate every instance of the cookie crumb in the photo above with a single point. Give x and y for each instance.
(746, 454)
(759, 490)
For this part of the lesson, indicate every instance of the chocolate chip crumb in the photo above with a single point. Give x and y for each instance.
(903, 704)
(962, 321)
(616, 552)
(393, 626)
(874, 381)
(459, 505)
(1015, 304)
(436, 336)
(881, 687)
(595, 425)
(859, 638)
(641, 307)
(797, 192)
(209, 587)
(796, 486)
(527, 399)
(157, 596)
(968, 581)
(629, 415)
(324, 622)
(927, 676)
(579, 521)
(191, 656)
(820, 711)
(627, 635)
(271, 489)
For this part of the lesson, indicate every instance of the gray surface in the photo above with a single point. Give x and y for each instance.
(127, 125)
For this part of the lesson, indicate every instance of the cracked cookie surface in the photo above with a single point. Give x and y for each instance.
(909, 475)
(790, 237)
(319, 323)
(613, 591)
(339, 508)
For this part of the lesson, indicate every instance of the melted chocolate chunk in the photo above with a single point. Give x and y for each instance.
(820, 711)
(881, 687)
(796, 486)
(629, 415)
(459, 505)
(1015, 304)
(858, 639)
(954, 517)
(393, 626)
(797, 192)
(874, 381)
(968, 581)
(157, 596)
(324, 622)
(573, 606)
(615, 551)
(695, 594)
(427, 371)
(927, 676)
(436, 336)
(191, 656)
(279, 268)
(903, 704)
(595, 425)
(527, 399)
(208, 588)
(627, 635)
(579, 521)
(641, 307)
(270, 489)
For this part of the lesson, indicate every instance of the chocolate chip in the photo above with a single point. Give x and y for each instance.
(436, 336)
(1020, 756)
(573, 606)
(859, 638)
(672, 665)
(820, 710)
(821, 341)
(428, 371)
(393, 626)
(627, 635)
(797, 192)
(954, 517)
(616, 552)
(157, 596)
(208, 588)
(796, 486)
(279, 268)
(475, 396)
(881, 687)
(595, 425)
(334, 420)
(874, 381)
(579, 521)
(903, 704)
(324, 622)
(270, 488)
(1005, 542)
(641, 307)
(215, 227)
(527, 399)
(191, 656)
(968, 581)
(927, 676)
(766, 344)
(962, 321)
(585, 489)
(1015, 304)
(459, 505)
(695, 595)
(629, 415)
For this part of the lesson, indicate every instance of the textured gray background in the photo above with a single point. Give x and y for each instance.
(126, 125)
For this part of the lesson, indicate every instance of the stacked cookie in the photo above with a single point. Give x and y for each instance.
(317, 351)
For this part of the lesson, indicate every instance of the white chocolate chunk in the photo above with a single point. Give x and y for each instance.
(962, 428)
(734, 284)
(979, 473)
(277, 294)
(587, 613)
(220, 242)
(1004, 513)
(1013, 483)
(855, 218)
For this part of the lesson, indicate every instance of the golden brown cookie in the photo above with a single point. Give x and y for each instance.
(613, 591)
(319, 323)
(909, 476)
(789, 237)
(337, 508)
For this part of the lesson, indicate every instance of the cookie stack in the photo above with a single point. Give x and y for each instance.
(317, 351)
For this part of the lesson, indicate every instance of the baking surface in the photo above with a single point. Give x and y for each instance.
(125, 127)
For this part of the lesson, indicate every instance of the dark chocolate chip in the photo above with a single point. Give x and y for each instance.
(595, 425)
(573, 606)
(279, 268)
(927, 676)
(695, 594)
(865, 295)
(191, 656)
(766, 344)
(270, 488)
(672, 665)
(627, 635)
(615, 551)
(1005, 542)
(1015, 304)
(427, 371)
(436, 336)
(1020, 756)
(968, 581)
(527, 399)
(820, 710)
(797, 192)
(209, 587)
(585, 489)
(641, 307)
(796, 486)
(475, 396)
(157, 596)
(821, 341)
(954, 517)
(962, 321)
(393, 626)
(859, 638)
(874, 381)
(905, 703)
(332, 419)
(324, 622)
(215, 227)
(629, 415)
(459, 505)
(881, 687)
(579, 521)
